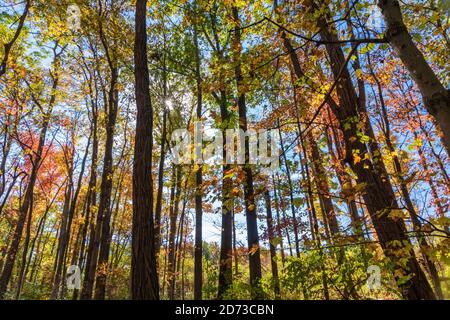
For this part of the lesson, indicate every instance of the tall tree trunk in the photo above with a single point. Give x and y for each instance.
(173, 216)
(63, 235)
(10, 129)
(27, 204)
(158, 207)
(291, 196)
(273, 252)
(181, 242)
(166, 248)
(84, 259)
(279, 195)
(249, 194)
(91, 198)
(95, 229)
(23, 264)
(183, 276)
(226, 238)
(144, 276)
(68, 218)
(345, 182)
(329, 214)
(198, 256)
(323, 189)
(235, 253)
(314, 221)
(104, 209)
(38, 237)
(278, 228)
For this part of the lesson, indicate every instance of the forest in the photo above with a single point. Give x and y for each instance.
(224, 150)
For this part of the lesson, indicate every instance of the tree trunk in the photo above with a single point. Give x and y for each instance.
(159, 193)
(68, 217)
(291, 196)
(235, 253)
(379, 195)
(435, 96)
(173, 216)
(91, 198)
(198, 257)
(436, 200)
(417, 225)
(28, 198)
(8, 46)
(323, 189)
(226, 239)
(278, 228)
(346, 184)
(273, 252)
(104, 209)
(314, 221)
(181, 243)
(144, 276)
(64, 233)
(249, 194)
(22, 274)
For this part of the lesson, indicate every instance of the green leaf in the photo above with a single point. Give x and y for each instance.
(298, 202)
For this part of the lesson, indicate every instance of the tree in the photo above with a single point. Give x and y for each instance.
(380, 201)
(36, 159)
(8, 45)
(144, 277)
(435, 96)
(198, 272)
(249, 193)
